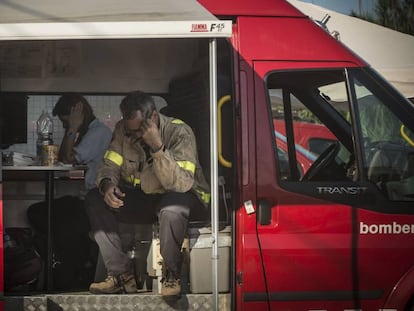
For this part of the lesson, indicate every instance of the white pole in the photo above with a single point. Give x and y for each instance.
(214, 170)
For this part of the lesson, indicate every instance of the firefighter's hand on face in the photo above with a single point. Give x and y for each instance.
(151, 134)
(113, 195)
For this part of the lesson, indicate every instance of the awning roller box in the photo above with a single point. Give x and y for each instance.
(99, 19)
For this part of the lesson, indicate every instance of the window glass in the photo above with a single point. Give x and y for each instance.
(318, 145)
(387, 145)
(316, 131)
(301, 115)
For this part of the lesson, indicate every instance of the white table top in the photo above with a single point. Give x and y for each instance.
(44, 168)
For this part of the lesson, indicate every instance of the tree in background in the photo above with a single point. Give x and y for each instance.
(394, 14)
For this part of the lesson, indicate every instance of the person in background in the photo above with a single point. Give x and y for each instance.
(149, 171)
(86, 138)
(84, 143)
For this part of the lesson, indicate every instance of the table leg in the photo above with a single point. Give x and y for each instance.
(49, 200)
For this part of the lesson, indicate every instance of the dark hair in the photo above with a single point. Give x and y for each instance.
(65, 104)
(135, 101)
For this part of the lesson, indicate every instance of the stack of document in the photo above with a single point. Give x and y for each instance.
(13, 158)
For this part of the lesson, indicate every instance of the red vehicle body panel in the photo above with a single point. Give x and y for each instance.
(267, 39)
(250, 8)
(263, 38)
(310, 243)
(1, 245)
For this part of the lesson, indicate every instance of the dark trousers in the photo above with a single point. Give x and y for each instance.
(172, 210)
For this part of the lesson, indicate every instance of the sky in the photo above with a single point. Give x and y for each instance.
(345, 6)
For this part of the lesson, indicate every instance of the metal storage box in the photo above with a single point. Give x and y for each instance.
(200, 260)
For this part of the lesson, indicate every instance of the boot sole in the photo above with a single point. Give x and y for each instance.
(120, 291)
(171, 295)
(100, 292)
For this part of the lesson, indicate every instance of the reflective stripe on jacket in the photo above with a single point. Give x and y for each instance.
(175, 168)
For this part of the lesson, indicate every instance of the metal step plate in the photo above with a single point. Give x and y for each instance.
(89, 302)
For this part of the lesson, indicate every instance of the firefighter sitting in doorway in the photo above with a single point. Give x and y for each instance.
(149, 171)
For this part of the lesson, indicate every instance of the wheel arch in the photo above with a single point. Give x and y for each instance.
(403, 292)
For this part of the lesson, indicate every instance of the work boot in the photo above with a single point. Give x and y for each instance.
(170, 284)
(123, 283)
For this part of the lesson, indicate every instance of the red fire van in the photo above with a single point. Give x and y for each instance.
(337, 236)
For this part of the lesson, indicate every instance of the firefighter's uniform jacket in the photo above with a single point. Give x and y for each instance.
(173, 168)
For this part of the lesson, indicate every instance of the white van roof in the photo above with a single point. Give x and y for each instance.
(107, 19)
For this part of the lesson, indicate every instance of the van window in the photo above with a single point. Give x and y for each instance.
(301, 127)
(388, 148)
(322, 135)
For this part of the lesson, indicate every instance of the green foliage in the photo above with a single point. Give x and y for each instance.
(394, 14)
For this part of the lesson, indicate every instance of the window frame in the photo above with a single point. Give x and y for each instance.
(369, 196)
